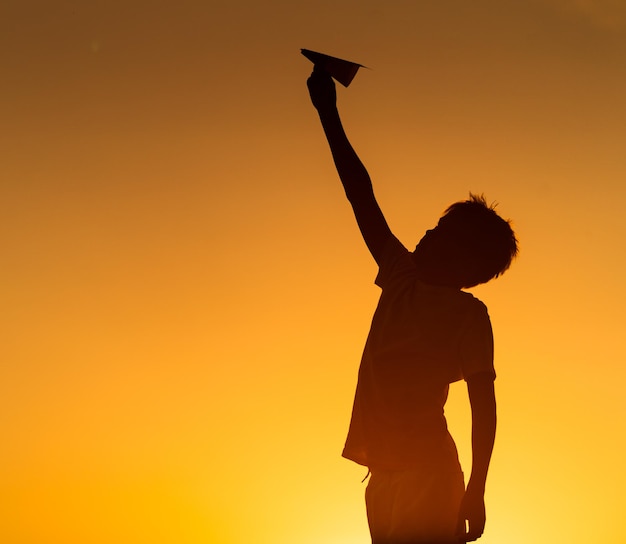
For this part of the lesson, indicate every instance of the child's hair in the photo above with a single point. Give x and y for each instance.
(486, 241)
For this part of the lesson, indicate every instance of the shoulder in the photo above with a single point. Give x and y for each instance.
(395, 262)
(476, 307)
(477, 333)
(392, 249)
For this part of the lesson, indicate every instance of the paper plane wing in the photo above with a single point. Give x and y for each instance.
(342, 70)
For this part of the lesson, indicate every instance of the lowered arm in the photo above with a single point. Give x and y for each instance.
(483, 402)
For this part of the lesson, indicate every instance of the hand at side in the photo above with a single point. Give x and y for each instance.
(473, 511)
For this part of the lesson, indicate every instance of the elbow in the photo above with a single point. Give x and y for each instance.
(359, 194)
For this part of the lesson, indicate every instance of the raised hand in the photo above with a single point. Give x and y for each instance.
(322, 90)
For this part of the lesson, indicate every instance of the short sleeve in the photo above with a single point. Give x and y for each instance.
(396, 262)
(477, 343)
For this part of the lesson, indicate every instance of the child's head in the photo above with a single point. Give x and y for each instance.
(471, 244)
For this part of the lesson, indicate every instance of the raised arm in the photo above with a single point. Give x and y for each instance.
(483, 402)
(354, 177)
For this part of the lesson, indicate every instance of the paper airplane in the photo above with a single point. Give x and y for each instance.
(342, 70)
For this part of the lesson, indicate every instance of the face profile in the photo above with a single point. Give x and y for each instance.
(470, 245)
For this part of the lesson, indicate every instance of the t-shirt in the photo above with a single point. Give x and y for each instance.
(422, 338)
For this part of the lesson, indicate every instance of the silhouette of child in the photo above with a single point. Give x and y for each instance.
(426, 333)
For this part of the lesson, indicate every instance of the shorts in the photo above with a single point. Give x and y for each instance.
(416, 506)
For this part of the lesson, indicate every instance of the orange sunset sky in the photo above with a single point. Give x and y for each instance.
(185, 294)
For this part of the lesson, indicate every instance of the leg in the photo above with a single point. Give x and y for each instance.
(379, 500)
(414, 506)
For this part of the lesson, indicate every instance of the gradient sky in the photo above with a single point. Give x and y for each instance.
(185, 293)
